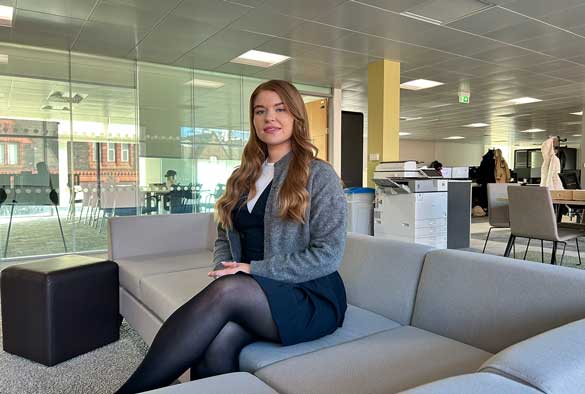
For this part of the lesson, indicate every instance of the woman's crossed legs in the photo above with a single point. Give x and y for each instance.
(207, 334)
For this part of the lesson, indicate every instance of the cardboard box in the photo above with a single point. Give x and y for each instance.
(579, 195)
(561, 194)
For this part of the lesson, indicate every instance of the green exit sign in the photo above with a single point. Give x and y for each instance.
(464, 99)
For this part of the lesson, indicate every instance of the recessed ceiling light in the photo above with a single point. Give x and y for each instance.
(576, 135)
(419, 84)
(580, 113)
(202, 83)
(454, 137)
(6, 14)
(406, 118)
(477, 125)
(404, 133)
(260, 59)
(523, 100)
(439, 105)
(3, 58)
(532, 131)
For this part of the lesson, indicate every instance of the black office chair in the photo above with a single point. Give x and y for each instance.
(570, 181)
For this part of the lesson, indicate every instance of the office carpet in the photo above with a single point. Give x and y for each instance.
(101, 371)
(499, 238)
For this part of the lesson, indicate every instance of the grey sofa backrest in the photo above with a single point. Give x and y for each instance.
(493, 302)
(130, 236)
(553, 362)
(382, 275)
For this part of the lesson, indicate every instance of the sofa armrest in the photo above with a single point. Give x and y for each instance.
(476, 383)
(131, 236)
(553, 362)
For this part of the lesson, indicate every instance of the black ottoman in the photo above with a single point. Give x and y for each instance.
(59, 308)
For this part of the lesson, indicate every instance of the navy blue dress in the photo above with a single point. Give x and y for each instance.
(302, 311)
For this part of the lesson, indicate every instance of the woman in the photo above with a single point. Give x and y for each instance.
(281, 236)
(551, 166)
(502, 172)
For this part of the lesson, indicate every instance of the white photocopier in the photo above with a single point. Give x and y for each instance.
(410, 204)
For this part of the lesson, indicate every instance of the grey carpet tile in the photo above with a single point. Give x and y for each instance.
(101, 371)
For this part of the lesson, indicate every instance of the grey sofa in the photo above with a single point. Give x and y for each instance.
(420, 320)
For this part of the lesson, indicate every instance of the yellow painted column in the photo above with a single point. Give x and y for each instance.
(383, 114)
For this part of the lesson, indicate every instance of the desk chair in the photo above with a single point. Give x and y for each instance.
(532, 216)
(498, 210)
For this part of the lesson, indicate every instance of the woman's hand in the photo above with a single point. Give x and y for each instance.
(231, 267)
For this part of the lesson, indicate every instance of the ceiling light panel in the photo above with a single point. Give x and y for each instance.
(6, 14)
(532, 131)
(403, 133)
(260, 59)
(523, 100)
(419, 84)
(580, 113)
(477, 125)
(454, 137)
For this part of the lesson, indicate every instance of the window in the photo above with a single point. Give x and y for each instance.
(94, 154)
(125, 152)
(12, 153)
(2, 148)
(111, 151)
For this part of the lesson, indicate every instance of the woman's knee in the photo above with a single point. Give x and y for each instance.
(230, 286)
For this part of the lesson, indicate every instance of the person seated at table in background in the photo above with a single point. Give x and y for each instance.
(437, 165)
(276, 283)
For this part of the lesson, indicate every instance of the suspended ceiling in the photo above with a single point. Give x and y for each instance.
(511, 49)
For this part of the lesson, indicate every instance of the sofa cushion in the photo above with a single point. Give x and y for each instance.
(238, 382)
(553, 362)
(130, 236)
(135, 269)
(493, 302)
(165, 293)
(382, 275)
(476, 383)
(387, 362)
(358, 323)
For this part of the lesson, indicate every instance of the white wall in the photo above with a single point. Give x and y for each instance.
(450, 154)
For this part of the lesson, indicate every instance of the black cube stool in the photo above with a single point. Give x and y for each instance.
(59, 308)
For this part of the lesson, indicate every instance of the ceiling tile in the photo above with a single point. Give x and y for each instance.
(521, 31)
(118, 12)
(315, 33)
(539, 8)
(486, 21)
(107, 39)
(394, 5)
(267, 22)
(35, 28)
(214, 12)
(308, 9)
(79, 9)
(370, 20)
(559, 44)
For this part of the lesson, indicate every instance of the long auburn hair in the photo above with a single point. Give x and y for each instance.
(293, 196)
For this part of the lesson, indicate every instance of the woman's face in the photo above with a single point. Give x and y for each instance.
(272, 120)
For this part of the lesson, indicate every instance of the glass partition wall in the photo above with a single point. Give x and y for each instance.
(84, 138)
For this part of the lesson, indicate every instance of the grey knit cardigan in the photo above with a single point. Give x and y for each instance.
(296, 252)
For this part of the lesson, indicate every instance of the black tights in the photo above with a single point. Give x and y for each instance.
(206, 334)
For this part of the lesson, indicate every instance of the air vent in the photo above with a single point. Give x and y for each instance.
(442, 12)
